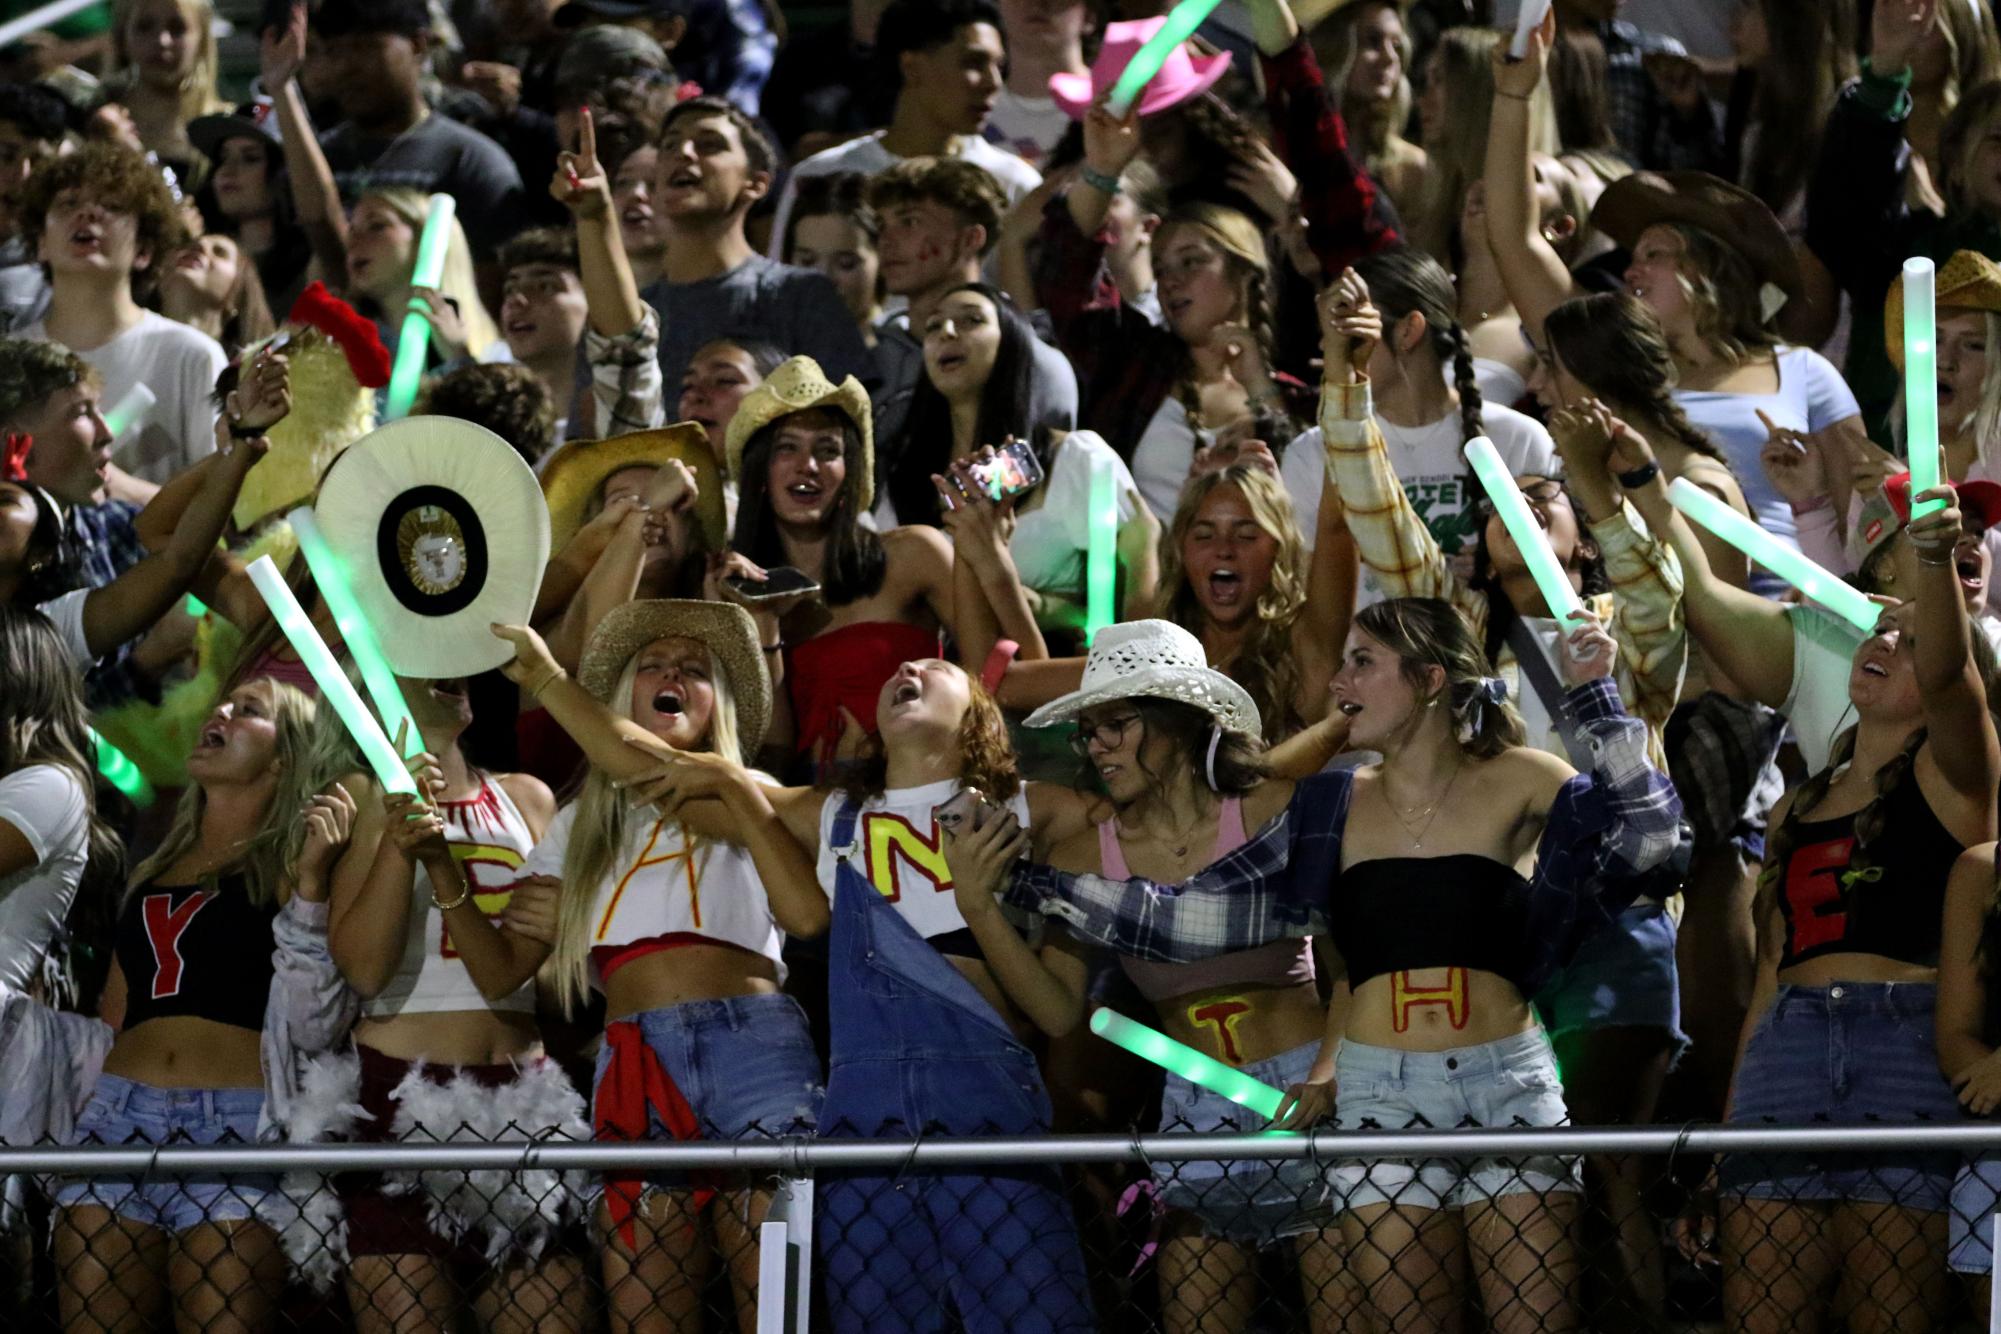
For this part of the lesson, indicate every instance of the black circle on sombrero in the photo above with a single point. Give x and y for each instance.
(431, 549)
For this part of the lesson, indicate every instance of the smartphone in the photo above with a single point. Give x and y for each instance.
(782, 582)
(966, 811)
(1012, 471)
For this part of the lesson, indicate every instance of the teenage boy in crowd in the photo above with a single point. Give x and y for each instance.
(32, 123)
(1044, 37)
(947, 57)
(106, 222)
(542, 316)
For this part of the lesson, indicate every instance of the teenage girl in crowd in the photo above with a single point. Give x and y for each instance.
(1365, 49)
(832, 228)
(202, 1027)
(442, 1050)
(1440, 1031)
(382, 237)
(679, 924)
(164, 65)
(248, 200)
(211, 285)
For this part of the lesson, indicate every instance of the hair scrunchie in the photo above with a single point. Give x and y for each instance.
(1488, 692)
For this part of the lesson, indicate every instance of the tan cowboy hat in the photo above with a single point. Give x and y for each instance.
(724, 627)
(1734, 216)
(573, 478)
(1968, 281)
(796, 386)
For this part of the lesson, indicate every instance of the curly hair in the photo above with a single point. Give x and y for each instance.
(1266, 666)
(956, 184)
(509, 400)
(1723, 290)
(986, 756)
(31, 369)
(116, 178)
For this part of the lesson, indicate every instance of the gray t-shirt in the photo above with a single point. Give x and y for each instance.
(24, 286)
(438, 156)
(796, 309)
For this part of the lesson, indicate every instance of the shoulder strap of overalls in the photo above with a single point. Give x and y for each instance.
(841, 838)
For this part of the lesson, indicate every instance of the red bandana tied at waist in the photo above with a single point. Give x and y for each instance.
(634, 1083)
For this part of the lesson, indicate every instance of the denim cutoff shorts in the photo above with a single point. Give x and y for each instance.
(1251, 1202)
(1622, 977)
(1976, 1198)
(745, 1064)
(123, 1111)
(1841, 1054)
(1509, 1082)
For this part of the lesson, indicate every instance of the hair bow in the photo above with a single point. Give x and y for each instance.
(1491, 690)
(14, 468)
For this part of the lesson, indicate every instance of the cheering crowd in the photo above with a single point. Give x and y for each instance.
(898, 548)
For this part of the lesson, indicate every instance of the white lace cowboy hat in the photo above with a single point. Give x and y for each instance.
(1153, 660)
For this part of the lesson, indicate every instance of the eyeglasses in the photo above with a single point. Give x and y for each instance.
(1108, 734)
(1537, 493)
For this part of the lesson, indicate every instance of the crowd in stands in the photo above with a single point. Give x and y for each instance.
(1009, 553)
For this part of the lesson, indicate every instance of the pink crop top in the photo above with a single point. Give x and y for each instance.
(1282, 963)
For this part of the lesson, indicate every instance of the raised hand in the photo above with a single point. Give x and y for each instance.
(417, 830)
(1518, 79)
(282, 50)
(580, 183)
(329, 819)
(1794, 465)
(263, 393)
(1589, 653)
(1350, 325)
(533, 666)
(1110, 142)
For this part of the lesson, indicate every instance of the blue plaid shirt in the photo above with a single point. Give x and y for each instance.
(106, 543)
(1604, 832)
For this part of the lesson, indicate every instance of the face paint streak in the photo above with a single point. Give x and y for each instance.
(1406, 996)
(1223, 1016)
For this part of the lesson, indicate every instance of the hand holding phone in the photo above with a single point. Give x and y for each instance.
(781, 582)
(965, 811)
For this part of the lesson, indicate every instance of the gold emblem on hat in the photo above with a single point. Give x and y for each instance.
(432, 548)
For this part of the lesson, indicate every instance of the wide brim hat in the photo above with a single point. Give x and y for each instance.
(444, 532)
(1186, 73)
(1887, 511)
(1733, 215)
(573, 476)
(797, 386)
(250, 121)
(1968, 281)
(1153, 660)
(724, 627)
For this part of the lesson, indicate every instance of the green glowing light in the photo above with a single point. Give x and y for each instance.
(1100, 552)
(330, 577)
(415, 339)
(1521, 524)
(1181, 1059)
(1182, 21)
(1766, 550)
(119, 771)
(1921, 381)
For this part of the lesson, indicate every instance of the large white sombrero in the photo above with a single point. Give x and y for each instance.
(444, 531)
(1153, 660)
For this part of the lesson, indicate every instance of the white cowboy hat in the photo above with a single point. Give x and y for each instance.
(1153, 660)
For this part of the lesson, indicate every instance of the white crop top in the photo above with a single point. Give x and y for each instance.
(897, 845)
(660, 885)
(490, 841)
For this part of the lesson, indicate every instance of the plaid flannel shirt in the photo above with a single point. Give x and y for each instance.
(107, 543)
(1605, 831)
(1346, 215)
(1643, 613)
(627, 392)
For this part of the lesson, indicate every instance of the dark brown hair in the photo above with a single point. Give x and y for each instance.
(1614, 344)
(118, 179)
(967, 190)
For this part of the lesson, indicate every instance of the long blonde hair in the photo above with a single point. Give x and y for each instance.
(599, 835)
(198, 92)
(1265, 666)
(458, 281)
(1457, 150)
(267, 859)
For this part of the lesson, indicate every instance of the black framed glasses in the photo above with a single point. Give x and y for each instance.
(1108, 734)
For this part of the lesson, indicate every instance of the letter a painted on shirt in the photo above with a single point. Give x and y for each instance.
(165, 925)
(1406, 996)
(1223, 1016)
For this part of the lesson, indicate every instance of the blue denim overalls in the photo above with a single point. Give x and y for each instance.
(918, 1051)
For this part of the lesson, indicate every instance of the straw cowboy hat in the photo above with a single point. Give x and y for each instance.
(443, 532)
(1967, 281)
(1734, 216)
(1185, 74)
(1153, 660)
(797, 386)
(573, 477)
(725, 628)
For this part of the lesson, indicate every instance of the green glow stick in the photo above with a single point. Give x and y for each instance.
(196, 607)
(332, 681)
(1181, 23)
(1521, 524)
(1921, 381)
(1181, 1059)
(415, 340)
(1100, 553)
(330, 576)
(119, 771)
(1850, 604)
(130, 411)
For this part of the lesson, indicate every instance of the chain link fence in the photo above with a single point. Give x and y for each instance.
(1822, 1227)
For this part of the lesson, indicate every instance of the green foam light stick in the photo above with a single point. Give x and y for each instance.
(332, 681)
(1850, 604)
(118, 770)
(1521, 524)
(1101, 550)
(1921, 381)
(415, 339)
(330, 577)
(1181, 23)
(1180, 1059)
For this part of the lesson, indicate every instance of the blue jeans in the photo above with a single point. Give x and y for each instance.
(746, 1064)
(1621, 977)
(122, 1111)
(916, 1051)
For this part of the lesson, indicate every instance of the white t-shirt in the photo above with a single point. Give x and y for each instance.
(179, 365)
(48, 805)
(867, 156)
(1050, 541)
(1163, 456)
(1028, 127)
(1428, 461)
(899, 848)
(66, 614)
(1500, 384)
(1817, 706)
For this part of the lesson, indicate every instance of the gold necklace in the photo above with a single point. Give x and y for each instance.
(1430, 813)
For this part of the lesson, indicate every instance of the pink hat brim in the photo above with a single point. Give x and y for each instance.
(1171, 87)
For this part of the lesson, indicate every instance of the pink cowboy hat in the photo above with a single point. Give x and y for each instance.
(1185, 75)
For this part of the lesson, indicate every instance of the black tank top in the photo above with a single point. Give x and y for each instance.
(1395, 914)
(197, 952)
(1894, 912)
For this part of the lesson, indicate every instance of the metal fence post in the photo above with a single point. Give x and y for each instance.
(785, 1254)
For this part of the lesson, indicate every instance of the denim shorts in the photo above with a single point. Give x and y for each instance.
(746, 1064)
(122, 1111)
(1976, 1198)
(1841, 1054)
(1622, 977)
(1251, 1202)
(1509, 1082)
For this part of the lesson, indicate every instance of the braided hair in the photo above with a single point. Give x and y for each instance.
(1403, 280)
(1869, 821)
(1612, 342)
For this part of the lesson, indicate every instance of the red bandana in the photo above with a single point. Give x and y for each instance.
(14, 467)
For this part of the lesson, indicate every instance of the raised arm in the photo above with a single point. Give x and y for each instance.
(601, 733)
(989, 602)
(581, 185)
(315, 197)
(1960, 730)
(1535, 276)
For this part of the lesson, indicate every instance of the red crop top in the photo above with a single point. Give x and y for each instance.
(196, 952)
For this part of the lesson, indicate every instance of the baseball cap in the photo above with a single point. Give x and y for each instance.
(1888, 510)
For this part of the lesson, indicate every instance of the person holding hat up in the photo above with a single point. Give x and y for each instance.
(678, 920)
